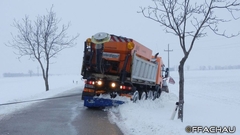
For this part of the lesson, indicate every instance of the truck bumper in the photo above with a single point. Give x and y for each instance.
(100, 102)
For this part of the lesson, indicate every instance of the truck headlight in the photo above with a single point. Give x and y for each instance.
(99, 83)
(113, 85)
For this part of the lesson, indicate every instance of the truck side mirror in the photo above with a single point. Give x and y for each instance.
(166, 72)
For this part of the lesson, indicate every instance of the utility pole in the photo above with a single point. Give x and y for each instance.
(168, 56)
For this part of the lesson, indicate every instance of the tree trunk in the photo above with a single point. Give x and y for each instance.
(46, 83)
(47, 70)
(44, 75)
(45, 78)
(181, 87)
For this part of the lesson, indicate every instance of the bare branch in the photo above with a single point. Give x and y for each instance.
(175, 17)
(41, 39)
(189, 21)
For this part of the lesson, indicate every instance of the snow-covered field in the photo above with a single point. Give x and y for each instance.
(212, 98)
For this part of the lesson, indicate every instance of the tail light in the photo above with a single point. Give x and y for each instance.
(99, 83)
(90, 82)
(123, 87)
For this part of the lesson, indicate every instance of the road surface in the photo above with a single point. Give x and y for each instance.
(60, 116)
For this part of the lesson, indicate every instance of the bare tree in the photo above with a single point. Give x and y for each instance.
(41, 40)
(189, 20)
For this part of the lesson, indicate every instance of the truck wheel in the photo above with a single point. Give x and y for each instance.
(143, 96)
(155, 94)
(135, 97)
(159, 93)
(150, 95)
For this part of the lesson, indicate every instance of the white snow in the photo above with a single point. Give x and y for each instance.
(212, 98)
(17, 89)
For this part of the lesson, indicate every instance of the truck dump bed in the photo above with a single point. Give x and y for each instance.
(143, 71)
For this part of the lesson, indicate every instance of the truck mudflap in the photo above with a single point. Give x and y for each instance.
(101, 102)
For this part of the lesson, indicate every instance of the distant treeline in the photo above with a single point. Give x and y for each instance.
(18, 75)
(219, 67)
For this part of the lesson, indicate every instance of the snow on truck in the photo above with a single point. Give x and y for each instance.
(116, 66)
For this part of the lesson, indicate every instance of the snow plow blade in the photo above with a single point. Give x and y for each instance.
(101, 102)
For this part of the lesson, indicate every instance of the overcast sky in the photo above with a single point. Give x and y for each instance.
(115, 17)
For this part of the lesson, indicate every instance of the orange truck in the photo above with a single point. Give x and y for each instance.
(120, 66)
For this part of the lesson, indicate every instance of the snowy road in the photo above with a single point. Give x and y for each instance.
(62, 116)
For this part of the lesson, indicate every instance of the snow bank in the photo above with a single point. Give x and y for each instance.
(211, 99)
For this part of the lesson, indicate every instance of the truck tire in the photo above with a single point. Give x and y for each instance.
(143, 96)
(159, 93)
(150, 95)
(155, 95)
(135, 96)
